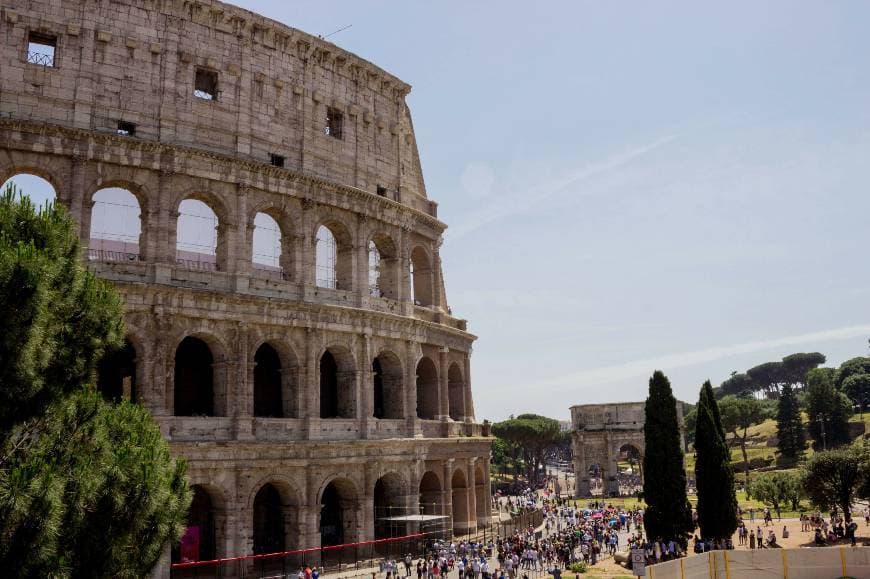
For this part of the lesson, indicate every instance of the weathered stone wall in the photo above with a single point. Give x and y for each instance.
(135, 61)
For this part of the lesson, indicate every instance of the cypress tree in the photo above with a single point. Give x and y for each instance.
(714, 475)
(790, 431)
(668, 513)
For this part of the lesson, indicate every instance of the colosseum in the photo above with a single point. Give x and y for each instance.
(255, 193)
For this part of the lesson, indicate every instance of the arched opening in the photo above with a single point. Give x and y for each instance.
(388, 496)
(115, 226)
(35, 188)
(199, 541)
(383, 267)
(196, 240)
(481, 498)
(338, 514)
(459, 488)
(337, 385)
(116, 374)
(431, 501)
(427, 389)
(629, 469)
(266, 247)
(267, 383)
(269, 523)
(456, 390)
(333, 258)
(387, 378)
(194, 378)
(421, 277)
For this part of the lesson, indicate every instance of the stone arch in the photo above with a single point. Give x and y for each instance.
(333, 255)
(340, 512)
(115, 223)
(384, 268)
(199, 385)
(422, 278)
(288, 376)
(337, 374)
(268, 391)
(116, 373)
(275, 516)
(459, 489)
(387, 379)
(632, 453)
(200, 233)
(431, 494)
(388, 501)
(456, 392)
(427, 389)
(39, 185)
(204, 533)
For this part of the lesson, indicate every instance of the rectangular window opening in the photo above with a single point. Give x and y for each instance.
(382, 191)
(278, 160)
(206, 84)
(334, 120)
(41, 49)
(126, 128)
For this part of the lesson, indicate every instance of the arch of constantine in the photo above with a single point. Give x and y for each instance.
(255, 194)
(602, 435)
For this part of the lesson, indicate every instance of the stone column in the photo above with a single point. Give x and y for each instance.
(448, 496)
(74, 196)
(471, 495)
(311, 389)
(413, 423)
(469, 399)
(367, 386)
(362, 259)
(305, 268)
(438, 300)
(443, 384)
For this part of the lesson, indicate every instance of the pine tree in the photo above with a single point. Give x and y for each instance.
(714, 475)
(87, 488)
(790, 430)
(668, 513)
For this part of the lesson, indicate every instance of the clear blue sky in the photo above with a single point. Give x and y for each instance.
(632, 186)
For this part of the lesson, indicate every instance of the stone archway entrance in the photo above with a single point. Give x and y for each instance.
(610, 436)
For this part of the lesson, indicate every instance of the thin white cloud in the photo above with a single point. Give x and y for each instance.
(520, 201)
(645, 366)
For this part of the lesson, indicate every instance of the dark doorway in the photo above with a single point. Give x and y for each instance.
(116, 374)
(328, 386)
(198, 542)
(378, 373)
(331, 518)
(267, 383)
(194, 385)
(268, 521)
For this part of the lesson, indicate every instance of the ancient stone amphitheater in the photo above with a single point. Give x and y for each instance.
(255, 194)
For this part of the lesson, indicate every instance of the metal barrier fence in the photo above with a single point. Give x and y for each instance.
(345, 558)
(349, 559)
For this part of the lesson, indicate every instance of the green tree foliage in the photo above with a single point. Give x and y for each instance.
(777, 489)
(738, 414)
(533, 434)
(87, 488)
(738, 384)
(790, 430)
(835, 478)
(853, 379)
(714, 476)
(668, 514)
(828, 409)
(850, 368)
(795, 367)
(690, 418)
(767, 377)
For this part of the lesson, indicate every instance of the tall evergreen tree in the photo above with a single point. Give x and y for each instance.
(668, 513)
(790, 430)
(714, 475)
(87, 488)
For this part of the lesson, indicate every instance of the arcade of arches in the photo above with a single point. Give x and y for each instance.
(278, 515)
